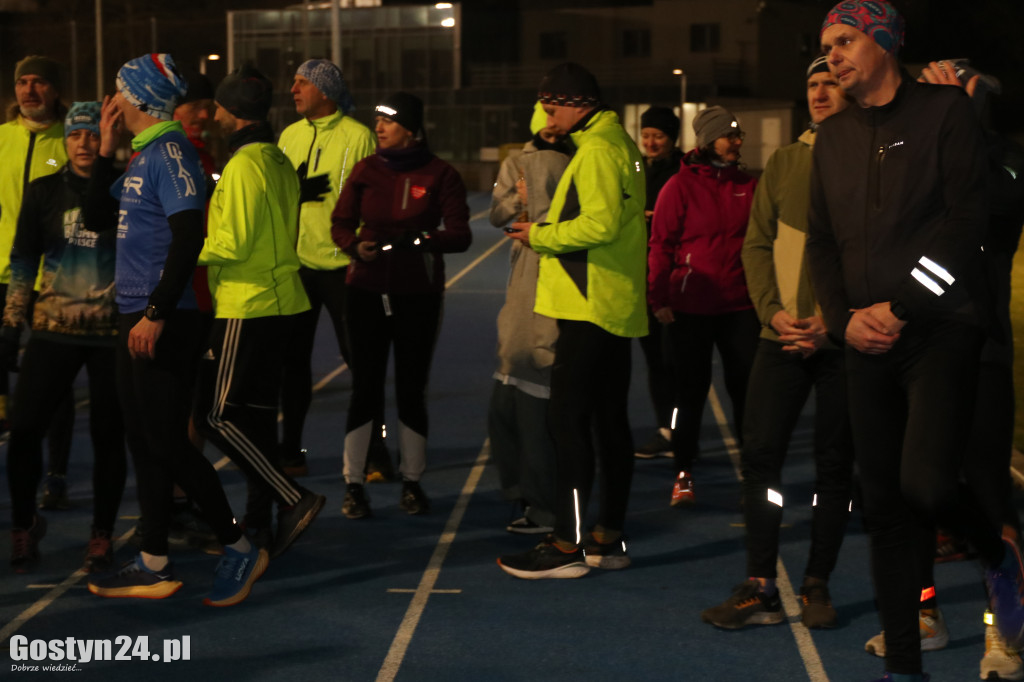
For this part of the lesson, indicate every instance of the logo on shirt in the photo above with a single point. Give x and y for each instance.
(73, 232)
(174, 151)
(133, 183)
(417, 192)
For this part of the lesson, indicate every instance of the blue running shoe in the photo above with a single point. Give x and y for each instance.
(133, 579)
(1005, 595)
(236, 572)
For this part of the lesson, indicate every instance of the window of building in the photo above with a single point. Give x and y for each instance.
(704, 37)
(553, 45)
(636, 42)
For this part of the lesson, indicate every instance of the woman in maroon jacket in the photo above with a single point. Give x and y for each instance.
(388, 220)
(696, 284)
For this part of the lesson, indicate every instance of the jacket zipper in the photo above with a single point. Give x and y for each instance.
(28, 162)
(682, 287)
(405, 195)
(879, 158)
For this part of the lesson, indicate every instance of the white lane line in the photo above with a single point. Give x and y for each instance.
(399, 645)
(804, 641)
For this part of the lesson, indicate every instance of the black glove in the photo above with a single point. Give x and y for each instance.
(9, 342)
(313, 188)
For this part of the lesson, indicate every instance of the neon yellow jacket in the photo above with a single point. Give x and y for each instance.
(330, 144)
(593, 263)
(251, 230)
(24, 156)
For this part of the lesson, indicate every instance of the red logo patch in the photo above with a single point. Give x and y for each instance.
(418, 192)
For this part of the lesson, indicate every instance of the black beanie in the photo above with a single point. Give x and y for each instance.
(404, 109)
(663, 119)
(245, 93)
(569, 85)
(199, 87)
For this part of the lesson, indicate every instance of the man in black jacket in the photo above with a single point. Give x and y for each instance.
(895, 258)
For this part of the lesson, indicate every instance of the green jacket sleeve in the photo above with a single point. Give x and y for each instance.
(758, 247)
(235, 211)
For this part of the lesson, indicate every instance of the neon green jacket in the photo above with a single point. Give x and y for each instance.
(330, 144)
(24, 156)
(593, 263)
(251, 230)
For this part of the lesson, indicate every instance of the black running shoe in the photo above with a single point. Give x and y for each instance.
(747, 605)
(545, 560)
(292, 521)
(413, 500)
(609, 555)
(657, 446)
(356, 504)
(99, 555)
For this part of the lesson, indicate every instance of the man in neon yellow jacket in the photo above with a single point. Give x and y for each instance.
(323, 146)
(33, 146)
(592, 280)
(257, 297)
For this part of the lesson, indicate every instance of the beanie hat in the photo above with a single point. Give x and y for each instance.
(404, 109)
(37, 65)
(328, 79)
(876, 18)
(569, 85)
(817, 66)
(199, 87)
(245, 93)
(83, 115)
(152, 84)
(539, 121)
(663, 119)
(713, 123)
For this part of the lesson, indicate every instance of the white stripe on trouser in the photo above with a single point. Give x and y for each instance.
(414, 453)
(576, 509)
(242, 445)
(357, 445)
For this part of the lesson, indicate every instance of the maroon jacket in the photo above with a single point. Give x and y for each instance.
(697, 234)
(400, 197)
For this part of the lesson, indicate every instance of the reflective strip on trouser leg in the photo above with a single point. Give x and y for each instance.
(229, 431)
(576, 510)
(357, 446)
(414, 453)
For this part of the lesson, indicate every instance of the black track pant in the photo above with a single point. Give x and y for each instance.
(48, 370)
(156, 400)
(588, 418)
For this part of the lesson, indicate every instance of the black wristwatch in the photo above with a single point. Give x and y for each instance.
(899, 310)
(153, 313)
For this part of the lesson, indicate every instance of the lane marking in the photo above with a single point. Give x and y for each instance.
(804, 641)
(399, 645)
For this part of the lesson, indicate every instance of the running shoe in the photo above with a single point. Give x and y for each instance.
(292, 521)
(25, 544)
(930, 624)
(133, 579)
(295, 465)
(657, 446)
(235, 574)
(1005, 595)
(608, 555)
(682, 490)
(1000, 662)
(99, 554)
(545, 560)
(413, 499)
(525, 526)
(356, 504)
(747, 605)
(816, 610)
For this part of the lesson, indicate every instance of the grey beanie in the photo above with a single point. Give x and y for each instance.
(713, 123)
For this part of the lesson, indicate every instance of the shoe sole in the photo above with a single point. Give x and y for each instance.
(762, 618)
(262, 561)
(609, 563)
(300, 527)
(577, 569)
(160, 591)
(682, 502)
(995, 673)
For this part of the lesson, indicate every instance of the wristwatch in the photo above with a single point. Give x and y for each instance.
(153, 313)
(899, 310)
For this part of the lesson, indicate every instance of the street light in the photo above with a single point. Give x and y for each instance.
(206, 58)
(682, 100)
